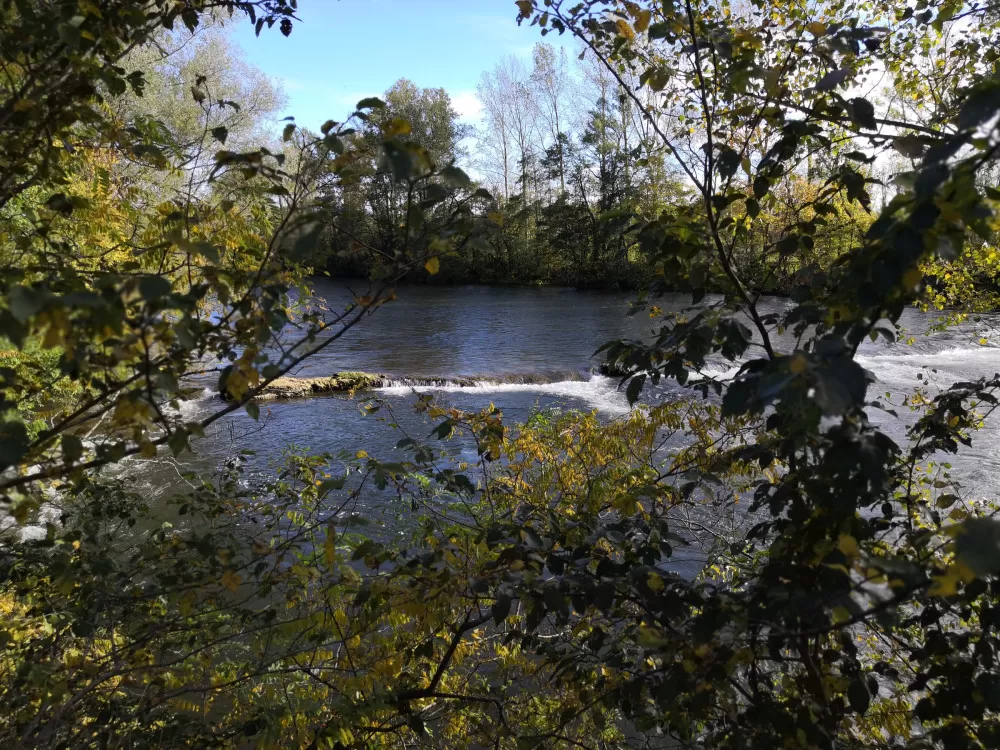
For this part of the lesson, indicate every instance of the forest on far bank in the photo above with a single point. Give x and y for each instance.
(572, 165)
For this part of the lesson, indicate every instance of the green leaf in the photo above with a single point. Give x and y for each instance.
(253, 409)
(978, 545)
(760, 187)
(60, 203)
(788, 245)
(13, 443)
(207, 250)
(945, 501)
(306, 242)
(455, 177)
(833, 79)
(729, 162)
(910, 146)
(863, 113)
(981, 104)
(154, 287)
(635, 388)
(178, 441)
(223, 380)
(72, 448)
(25, 302)
(371, 102)
(859, 697)
(334, 143)
(501, 608)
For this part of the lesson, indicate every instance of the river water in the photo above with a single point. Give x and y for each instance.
(530, 348)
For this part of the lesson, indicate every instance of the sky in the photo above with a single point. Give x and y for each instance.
(345, 50)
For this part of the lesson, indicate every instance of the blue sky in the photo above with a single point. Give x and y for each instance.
(345, 50)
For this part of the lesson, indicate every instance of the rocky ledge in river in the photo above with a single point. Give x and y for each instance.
(289, 387)
(340, 382)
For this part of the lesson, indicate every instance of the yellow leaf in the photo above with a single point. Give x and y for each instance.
(525, 6)
(848, 545)
(642, 20)
(396, 126)
(817, 28)
(912, 277)
(496, 217)
(798, 364)
(186, 603)
(22, 105)
(433, 265)
(625, 29)
(389, 667)
(90, 9)
(231, 580)
(947, 584)
(772, 82)
(361, 454)
(650, 637)
(147, 449)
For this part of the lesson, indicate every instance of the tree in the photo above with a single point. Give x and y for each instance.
(370, 214)
(118, 287)
(766, 651)
(550, 77)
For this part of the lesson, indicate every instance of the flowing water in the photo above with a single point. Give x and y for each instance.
(528, 348)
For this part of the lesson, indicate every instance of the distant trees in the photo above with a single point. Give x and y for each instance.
(578, 164)
(367, 214)
(563, 154)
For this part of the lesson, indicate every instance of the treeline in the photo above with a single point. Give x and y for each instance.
(573, 170)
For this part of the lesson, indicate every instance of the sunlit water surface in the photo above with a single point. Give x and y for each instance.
(501, 336)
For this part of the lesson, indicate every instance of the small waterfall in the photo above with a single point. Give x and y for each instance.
(595, 390)
(487, 381)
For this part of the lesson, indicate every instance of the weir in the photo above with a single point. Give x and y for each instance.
(291, 387)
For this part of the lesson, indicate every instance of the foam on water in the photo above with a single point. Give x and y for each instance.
(192, 407)
(598, 392)
(942, 367)
(723, 372)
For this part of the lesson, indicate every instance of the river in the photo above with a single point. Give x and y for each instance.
(530, 348)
